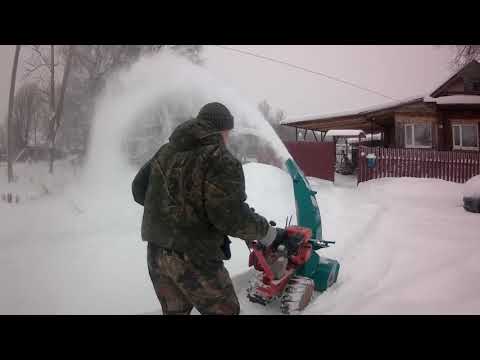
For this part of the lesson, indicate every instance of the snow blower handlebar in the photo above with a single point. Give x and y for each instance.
(320, 244)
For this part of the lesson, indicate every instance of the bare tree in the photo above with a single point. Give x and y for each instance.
(55, 121)
(10, 109)
(91, 65)
(27, 109)
(41, 63)
(40, 67)
(466, 53)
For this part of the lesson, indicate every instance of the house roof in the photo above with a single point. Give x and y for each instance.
(432, 97)
(454, 99)
(300, 120)
(445, 83)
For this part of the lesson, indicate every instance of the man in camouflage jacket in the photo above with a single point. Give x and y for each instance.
(193, 193)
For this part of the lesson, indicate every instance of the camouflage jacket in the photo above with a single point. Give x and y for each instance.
(193, 192)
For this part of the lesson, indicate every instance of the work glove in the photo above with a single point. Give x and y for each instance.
(278, 236)
(291, 242)
(269, 238)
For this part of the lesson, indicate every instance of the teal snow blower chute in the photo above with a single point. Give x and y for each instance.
(292, 278)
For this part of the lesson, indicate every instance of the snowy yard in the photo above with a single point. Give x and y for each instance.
(405, 246)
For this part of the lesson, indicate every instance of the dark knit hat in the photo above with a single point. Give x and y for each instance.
(217, 115)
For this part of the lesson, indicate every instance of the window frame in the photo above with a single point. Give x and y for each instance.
(461, 147)
(475, 85)
(413, 145)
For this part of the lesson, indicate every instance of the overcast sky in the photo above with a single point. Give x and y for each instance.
(396, 71)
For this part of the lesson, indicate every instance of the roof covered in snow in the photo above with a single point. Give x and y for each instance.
(363, 111)
(454, 99)
(346, 133)
(451, 99)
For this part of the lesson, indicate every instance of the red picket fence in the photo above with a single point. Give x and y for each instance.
(455, 166)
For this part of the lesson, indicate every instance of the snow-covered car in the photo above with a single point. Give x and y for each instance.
(471, 195)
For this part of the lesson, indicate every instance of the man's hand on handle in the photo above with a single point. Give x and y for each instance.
(278, 236)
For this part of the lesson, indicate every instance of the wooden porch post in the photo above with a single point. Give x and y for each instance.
(444, 143)
(296, 134)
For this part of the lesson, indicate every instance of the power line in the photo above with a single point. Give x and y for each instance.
(305, 69)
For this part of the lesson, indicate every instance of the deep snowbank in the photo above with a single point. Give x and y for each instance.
(472, 187)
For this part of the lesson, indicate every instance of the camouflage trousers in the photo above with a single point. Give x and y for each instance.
(182, 283)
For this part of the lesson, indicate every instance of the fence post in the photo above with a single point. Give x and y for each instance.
(420, 164)
(400, 164)
(471, 162)
(380, 162)
(461, 160)
(477, 170)
(455, 166)
(450, 172)
(389, 166)
(428, 163)
(431, 164)
(424, 164)
(394, 162)
(409, 155)
(447, 166)
(383, 161)
(470, 165)
(443, 165)
(459, 166)
(454, 172)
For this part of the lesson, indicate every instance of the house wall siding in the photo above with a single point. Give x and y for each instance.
(458, 86)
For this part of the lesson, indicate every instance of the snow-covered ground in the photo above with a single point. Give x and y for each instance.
(404, 245)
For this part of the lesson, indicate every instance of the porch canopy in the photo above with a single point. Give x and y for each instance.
(369, 120)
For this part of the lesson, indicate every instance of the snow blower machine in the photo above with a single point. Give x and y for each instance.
(292, 278)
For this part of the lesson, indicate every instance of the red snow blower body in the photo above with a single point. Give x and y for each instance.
(277, 268)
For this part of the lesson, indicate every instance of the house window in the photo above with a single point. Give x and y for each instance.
(476, 85)
(418, 135)
(465, 136)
